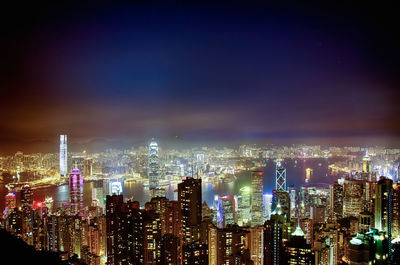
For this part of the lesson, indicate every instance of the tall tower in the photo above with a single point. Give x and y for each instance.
(257, 198)
(154, 167)
(309, 172)
(10, 202)
(26, 199)
(352, 197)
(244, 204)
(384, 207)
(76, 192)
(280, 180)
(63, 155)
(298, 251)
(189, 199)
(274, 233)
(336, 200)
(366, 163)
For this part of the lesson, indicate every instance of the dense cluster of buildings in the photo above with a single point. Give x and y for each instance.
(354, 221)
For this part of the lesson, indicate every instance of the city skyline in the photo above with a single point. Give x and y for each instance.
(200, 132)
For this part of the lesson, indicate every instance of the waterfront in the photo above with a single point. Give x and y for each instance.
(136, 191)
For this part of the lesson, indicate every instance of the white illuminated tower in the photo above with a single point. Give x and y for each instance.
(280, 180)
(154, 167)
(63, 155)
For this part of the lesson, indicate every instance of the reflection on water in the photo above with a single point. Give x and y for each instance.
(136, 191)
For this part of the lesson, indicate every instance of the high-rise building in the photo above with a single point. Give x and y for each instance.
(189, 199)
(318, 214)
(282, 198)
(365, 222)
(26, 199)
(396, 211)
(256, 244)
(88, 167)
(195, 253)
(309, 172)
(366, 161)
(10, 202)
(336, 200)
(293, 202)
(153, 166)
(368, 248)
(244, 204)
(280, 179)
(78, 162)
(63, 155)
(226, 211)
(267, 201)
(384, 207)
(352, 197)
(231, 245)
(76, 192)
(275, 229)
(169, 245)
(297, 249)
(305, 202)
(133, 234)
(257, 198)
(98, 195)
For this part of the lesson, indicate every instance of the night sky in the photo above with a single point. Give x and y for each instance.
(210, 72)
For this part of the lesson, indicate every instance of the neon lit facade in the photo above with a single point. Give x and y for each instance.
(63, 155)
(10, 201)
(76, 192)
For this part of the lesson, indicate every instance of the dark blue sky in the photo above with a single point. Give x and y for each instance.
(202, 72)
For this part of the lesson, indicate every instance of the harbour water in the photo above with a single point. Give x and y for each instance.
(295, 176)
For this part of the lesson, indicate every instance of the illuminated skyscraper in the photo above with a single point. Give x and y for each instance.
(76, 192)
(280, 180)
(309, 172)
(98, 195)
(293, 202)
(154, 166)
(396, 211)
(244, 204)
(257, 198)
(231, 245)
(299, 252)
(26, 199)
(275, 229)
(352, 197)
(282, 198)
(78, 162)
(384, 207)
(226, 211)
(256, 244)
(10, 202)
(336, 200)
(369, 248)
(267, 201)
(189, 199)
(366, 163)
(63, 155)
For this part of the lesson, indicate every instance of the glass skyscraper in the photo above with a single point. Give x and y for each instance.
(257, 217)
(154, 167)
(63, 155)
